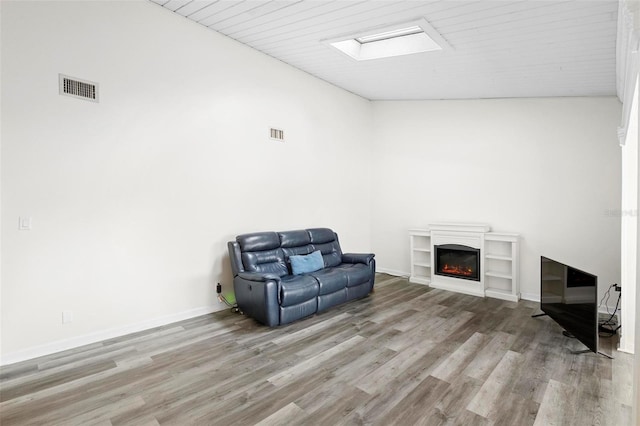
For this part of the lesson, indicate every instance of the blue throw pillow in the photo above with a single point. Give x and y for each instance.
(303, 264)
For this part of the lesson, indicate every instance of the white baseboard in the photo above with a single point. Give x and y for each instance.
(75, 342)
(625, 349)
(530, 296)
(603, 310)
(393, 272)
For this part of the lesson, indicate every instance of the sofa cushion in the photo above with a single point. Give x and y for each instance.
(295, 312)
(325, 240)
(258, 241)
(296, 251)
(295, 289)
(330, 280)
(358, 291)
(331, 253)
(295, 243)
(357, 273)
(321, 235)
(268, 261)
(325, 301)
(294, 238)
(306, 263)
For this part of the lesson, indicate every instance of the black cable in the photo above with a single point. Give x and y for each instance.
(603, 327)
(607, 294)
(608, 321)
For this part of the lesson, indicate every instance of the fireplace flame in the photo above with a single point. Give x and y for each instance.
(457, 270)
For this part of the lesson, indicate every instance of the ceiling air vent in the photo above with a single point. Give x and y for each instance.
(82, 89)
(277, 134)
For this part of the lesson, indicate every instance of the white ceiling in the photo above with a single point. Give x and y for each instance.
(504, 48)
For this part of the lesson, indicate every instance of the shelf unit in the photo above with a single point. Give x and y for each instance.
(501, 274)
(499, 270)
(420, 246)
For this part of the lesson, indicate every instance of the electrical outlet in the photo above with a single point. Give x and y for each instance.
(617, 288)
(67, 316)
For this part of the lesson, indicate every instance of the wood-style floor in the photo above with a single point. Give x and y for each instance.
(407, 354)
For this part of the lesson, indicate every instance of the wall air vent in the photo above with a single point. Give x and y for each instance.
(276, 134)
(82, 89)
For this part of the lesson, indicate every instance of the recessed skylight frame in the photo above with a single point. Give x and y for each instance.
(400, 32)
(392, 40)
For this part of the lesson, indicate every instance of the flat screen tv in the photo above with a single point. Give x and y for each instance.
(569, 296)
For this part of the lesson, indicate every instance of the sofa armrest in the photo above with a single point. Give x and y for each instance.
(258, 296)
(258, 277)
(357, 258)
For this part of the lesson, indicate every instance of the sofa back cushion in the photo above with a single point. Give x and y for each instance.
(258, 241)
(291, 239)
(261, 253)
(269, 252)
(325, 240)
(295, 243)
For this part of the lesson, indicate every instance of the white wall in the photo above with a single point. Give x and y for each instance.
(548, 169)
(636, 359)
(134, 198)
(629, 231)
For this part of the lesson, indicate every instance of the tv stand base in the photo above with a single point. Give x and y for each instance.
(584, 351)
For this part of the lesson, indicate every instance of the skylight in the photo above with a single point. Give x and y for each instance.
(390, 34)
(397, 40)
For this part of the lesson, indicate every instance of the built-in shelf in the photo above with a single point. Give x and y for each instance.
(497, 293)
(498, 275)
(501, 265)
(500, 259)
(426, 250)
(420, 246)
(497, 257)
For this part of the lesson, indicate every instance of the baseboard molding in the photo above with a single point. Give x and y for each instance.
(530, 296)
(87, 339)
(603, 311)
(393, 272)
(625, 350)
(75, 342)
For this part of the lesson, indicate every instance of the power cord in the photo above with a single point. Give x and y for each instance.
(221, 298)
(607, 328)
(607, 294)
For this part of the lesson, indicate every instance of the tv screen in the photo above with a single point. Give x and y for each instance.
(569, 296)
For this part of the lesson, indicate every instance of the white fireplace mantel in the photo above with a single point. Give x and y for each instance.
(460, 227)
(499, 259)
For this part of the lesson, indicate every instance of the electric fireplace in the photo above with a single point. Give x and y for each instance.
(457, 261)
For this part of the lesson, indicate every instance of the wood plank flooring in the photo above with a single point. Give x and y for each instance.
(407, 354)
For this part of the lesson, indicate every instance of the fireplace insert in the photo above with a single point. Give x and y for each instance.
(457, 261)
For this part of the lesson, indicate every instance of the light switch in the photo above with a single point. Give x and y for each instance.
(24, 223)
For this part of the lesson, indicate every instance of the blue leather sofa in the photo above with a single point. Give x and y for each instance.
(267, 289)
